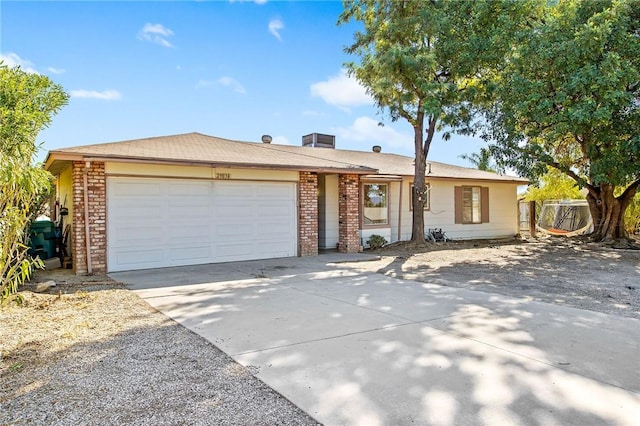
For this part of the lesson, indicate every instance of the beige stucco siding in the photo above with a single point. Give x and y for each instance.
(157, 170)
(328, 225)
(64, 196)
(503, 210)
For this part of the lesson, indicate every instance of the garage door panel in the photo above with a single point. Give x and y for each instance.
(141, 235)
(268, 210)
(136, 208)
(201, 253)
(139, 259)
(234, 190)
(194, 211)
(138, 189)
(276, 191)
(235, 210)
(168, 222)
(235, 233)
(189, 189)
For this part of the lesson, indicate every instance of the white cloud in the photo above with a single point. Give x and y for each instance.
(156, 33)
(53, 70)
(224, 82)
(105, 95)
(13, 60)
(341, 91)
(275, 25)
(366, 129)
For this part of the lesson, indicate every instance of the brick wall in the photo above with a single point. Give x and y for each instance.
(97, 205)
(348, 214)
(308, 213)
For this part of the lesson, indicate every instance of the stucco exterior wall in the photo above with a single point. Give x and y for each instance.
(503, 210)
(64, 196)
(159, 170)
(328, 226)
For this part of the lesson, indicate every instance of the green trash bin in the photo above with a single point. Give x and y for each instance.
(42, 240)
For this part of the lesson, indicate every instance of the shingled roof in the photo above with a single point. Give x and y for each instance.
(199, 149)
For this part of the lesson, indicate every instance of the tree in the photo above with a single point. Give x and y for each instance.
(482, 160)
(554, 185)
(429, 63)
(570, 99)
(27, 103)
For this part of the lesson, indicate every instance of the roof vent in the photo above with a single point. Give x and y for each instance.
(318, 140)
(266, 139)
(376, 148)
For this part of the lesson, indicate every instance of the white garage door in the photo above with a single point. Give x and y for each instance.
(156, 223)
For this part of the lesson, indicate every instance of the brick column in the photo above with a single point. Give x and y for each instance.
(97, 204)
(348, 214)
(308, 213)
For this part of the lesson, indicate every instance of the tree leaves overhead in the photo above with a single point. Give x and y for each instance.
(570, 97)
(435, 57)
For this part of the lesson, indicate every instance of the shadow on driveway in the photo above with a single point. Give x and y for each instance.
(354, 347)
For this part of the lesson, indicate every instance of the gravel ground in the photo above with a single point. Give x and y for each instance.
(104, 356)
(91, 352)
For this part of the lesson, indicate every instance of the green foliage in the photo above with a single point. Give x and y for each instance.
(632, 216)
(376, 241)
(432, 57)
(27, 103)
(570, 96)
(554, 185)
(482, 160)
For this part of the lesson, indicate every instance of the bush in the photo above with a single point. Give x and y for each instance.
(27, 103)
(376, 241)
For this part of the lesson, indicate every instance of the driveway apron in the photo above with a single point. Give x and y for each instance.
(364, 349)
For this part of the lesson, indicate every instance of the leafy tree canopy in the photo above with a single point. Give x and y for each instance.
(554, 185)
(483, 160)
(569, 98)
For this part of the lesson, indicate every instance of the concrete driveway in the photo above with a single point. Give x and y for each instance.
(363, 349)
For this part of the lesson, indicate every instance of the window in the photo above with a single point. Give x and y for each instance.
(426, 197)
(375, 204)
(471, 212)
(471, 204)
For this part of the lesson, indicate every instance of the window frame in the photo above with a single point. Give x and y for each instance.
(362, 205)
(483, 205)
(475, 197)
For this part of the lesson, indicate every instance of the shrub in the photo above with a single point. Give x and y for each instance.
(376, 241)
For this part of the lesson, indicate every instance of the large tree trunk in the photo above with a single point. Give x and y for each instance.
(607, 212)
(417, 229)
(422, 146)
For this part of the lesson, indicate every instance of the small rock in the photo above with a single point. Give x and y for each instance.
(44, 286)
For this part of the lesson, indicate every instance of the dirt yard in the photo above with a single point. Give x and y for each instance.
(569, 272)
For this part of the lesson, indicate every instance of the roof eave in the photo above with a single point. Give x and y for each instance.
(71, 156)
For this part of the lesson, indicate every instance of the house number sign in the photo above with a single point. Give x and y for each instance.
(223, 175)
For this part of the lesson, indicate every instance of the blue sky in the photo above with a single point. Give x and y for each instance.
(233, 69)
